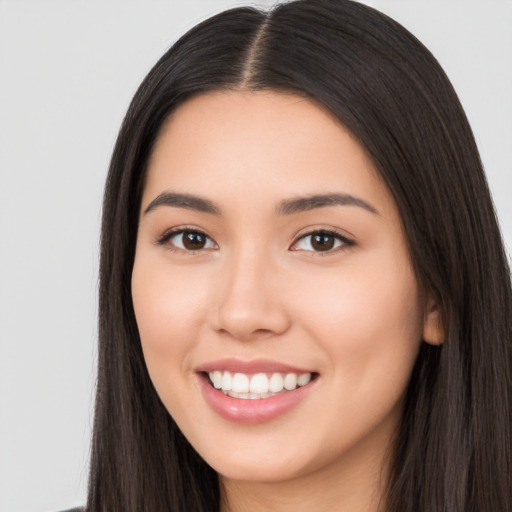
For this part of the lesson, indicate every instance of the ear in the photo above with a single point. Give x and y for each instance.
(433, 328)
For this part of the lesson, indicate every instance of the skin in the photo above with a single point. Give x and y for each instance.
(354, 314)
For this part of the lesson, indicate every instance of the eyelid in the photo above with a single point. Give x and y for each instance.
(171, 232)
(345, 241)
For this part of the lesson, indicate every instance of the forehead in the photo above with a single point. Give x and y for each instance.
(259, 145)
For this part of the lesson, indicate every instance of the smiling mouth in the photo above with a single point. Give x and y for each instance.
(258, 385)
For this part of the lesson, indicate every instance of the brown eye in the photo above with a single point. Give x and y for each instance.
(193, 241)
(322, 242)
(187, 240)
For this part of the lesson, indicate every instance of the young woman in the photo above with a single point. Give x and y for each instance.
(304, 301)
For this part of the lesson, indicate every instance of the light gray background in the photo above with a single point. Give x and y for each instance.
(68, 69)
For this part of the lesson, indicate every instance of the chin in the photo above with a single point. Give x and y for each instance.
(259, 471)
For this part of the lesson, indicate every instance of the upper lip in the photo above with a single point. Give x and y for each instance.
(250, 367)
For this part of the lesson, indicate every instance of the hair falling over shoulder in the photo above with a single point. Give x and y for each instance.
(453, 452)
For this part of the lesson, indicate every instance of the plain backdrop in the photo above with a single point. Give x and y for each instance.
(68, 69)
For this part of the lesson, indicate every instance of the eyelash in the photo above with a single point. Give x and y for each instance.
(345, 242)
(164, 239)
(327, 232)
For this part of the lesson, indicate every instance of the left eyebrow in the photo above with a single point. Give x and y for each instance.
(303, 204)
(187, 201)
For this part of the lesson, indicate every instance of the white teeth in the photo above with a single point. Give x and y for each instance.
(290, 381)
(304, 379)
(259, 385)
(227, 382)
(276, 383)
(216, 378)
(240, 383)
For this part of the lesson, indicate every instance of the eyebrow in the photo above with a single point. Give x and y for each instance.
(303, 204)
(286, 207)
(188, 201)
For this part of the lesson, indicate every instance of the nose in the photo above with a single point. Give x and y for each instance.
(250, 302)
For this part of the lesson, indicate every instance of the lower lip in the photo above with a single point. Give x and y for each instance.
(259, 410)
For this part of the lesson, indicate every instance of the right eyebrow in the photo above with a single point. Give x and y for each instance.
(187, 201)
(304, 204)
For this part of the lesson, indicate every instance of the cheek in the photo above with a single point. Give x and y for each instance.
(168, 308)
(368, 317)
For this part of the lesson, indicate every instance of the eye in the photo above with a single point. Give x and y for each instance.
(189, 240)
(323, 240)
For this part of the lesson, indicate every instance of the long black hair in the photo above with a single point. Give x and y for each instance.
(453, 450)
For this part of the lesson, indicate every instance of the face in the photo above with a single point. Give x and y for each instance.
(277, 307)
